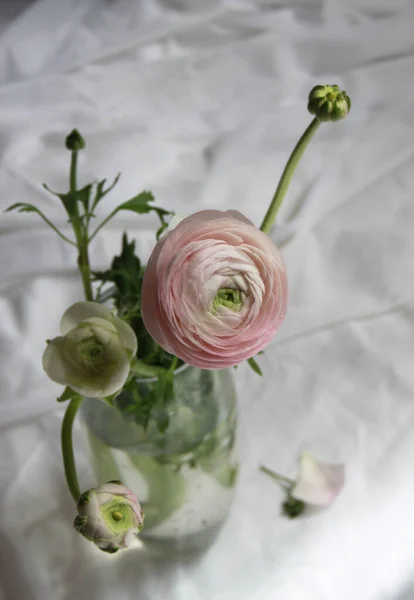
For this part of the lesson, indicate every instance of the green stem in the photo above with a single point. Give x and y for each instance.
(140, 368)
(104, 222)
(60, 234)
(287, 176)
(279, 478)
(173, 364)
(80, 233)
(73, 171)
(67, 447)
(84, 268)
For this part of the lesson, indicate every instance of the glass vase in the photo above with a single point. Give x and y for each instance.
(183, 472)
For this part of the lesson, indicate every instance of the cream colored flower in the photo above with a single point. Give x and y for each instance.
(109, 516)
(93, 354)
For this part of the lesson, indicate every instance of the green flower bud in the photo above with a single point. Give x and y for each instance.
(109, 516)
(74, 141)
(329, 103)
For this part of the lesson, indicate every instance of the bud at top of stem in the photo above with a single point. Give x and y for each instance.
(329, 103)
(74, 141)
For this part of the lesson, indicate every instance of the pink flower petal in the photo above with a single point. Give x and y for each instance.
(318, 483)
(205, 252)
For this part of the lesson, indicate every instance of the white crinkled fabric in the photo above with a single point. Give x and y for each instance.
(201, 101)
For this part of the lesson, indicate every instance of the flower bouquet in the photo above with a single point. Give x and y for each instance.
(146, 356)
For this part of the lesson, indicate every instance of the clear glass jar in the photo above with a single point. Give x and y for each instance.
(184, 477)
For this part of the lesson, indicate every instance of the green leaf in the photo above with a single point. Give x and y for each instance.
(100, 192)
(142, 408)
(83, 196)
(138, 203)
(253, 365)
(67, 394)
(141, 204)
(126, 273)
(111, 399)
(133, 405)
(24, 207)
(163, 420)
(169, 388)
(68, 200)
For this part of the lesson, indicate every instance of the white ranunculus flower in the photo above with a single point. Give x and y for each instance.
(93, 354)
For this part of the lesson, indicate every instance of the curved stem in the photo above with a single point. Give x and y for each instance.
(287, 176)
(67, 447)
(279, 478)
(140, 368)
(55, 229)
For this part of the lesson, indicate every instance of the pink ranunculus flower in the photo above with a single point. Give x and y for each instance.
(214, 291)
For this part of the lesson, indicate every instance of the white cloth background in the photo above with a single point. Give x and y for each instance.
(201, 101)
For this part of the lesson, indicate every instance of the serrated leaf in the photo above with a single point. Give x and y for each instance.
(253, 365)
(83, 196)
(22, 207)
(126, 273)
(67, 394)
(138, 203)
(100, 192)
(47, 188)
(68, 200)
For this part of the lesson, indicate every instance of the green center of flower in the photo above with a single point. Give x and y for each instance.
(230, 298)
(91, 351)
(118, 516)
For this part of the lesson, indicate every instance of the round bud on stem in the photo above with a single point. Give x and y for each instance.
(329, 103)
(74, 141)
